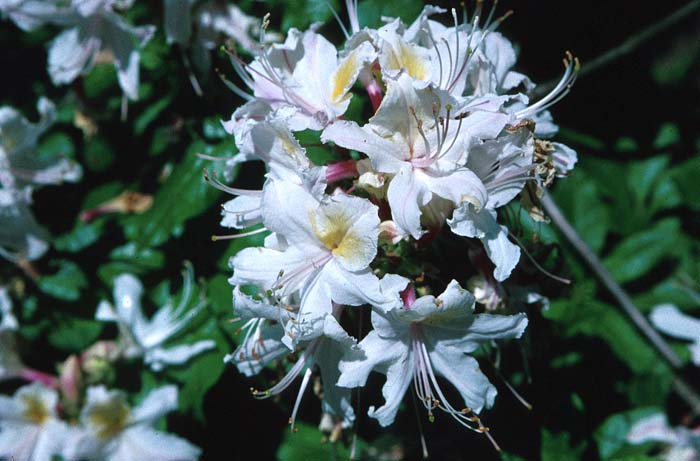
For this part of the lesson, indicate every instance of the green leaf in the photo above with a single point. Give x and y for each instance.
(305, 12)
(81, 236)
(220, 294)
(146, 258)
(184, 195)
(611, 435)
(213, 129)
(668, 135)
(581, 202)
(673, 66)
(66, 283)
(99, 155)
(582, 314)
(685, 176)
(201, 372)
(55, 145)
(584, 140)
(308, 444)
(556, 447)
(150, 114)
(99, 80)
(370, 12)
(638, 254)
(74, 334)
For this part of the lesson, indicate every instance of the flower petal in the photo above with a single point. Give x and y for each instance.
(670, 320)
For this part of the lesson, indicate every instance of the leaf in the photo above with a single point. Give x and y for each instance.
(668, 135)
(584, 140)
(66, 283)
(99, 155)
(213, 129)
(307, 11)
(74, 334)
(307, 444)
(640, 252)
(556, 447)
(581, 202)
(55, 145)
(582, 314)
(81, 236)
(685, 176)
(146, 258)
(102, 78)
(150, 114)
(611, 435)
(370, 12)
(201, 372)
(184, 195)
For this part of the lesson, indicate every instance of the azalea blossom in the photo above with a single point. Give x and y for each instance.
(321, 347)
(92, 27)
(21, 237)
(147, 338)
(671, 321)
(29, 428)
(320, 250)
(305, 74)
(414, 137)
(681, 443)
(112, 430)
(430, 337)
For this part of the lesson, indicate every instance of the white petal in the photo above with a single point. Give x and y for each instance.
(157, 403)
(483, 225)
(145, 443)
(158, 358)
(653, 428)
(458, 186)
(242, 212)
(71, 54)
(406, 195)
(463, 372)
(386, 155)
(670, 320)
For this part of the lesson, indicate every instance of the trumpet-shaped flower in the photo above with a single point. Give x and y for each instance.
(431, 337)
(414, 137)
(147, 338)
(114, 431)
(670, 320)
(305, 73)
(321, 347)
(95, 28)
(29, 429)
(320, 251)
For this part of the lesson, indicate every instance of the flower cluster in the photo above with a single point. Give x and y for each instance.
(74, 415)
(453, 137)
(94, 32)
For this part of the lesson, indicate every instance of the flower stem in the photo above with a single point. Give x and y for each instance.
(624, 300)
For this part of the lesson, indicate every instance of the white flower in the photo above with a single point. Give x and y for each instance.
(682, 443)
(305, 73)
(113, 431)
(31, 14)
(319, 251)
(19, 163)
(29, 430)
(147, 338)
(271, 141)
(95, 27)
(430, 338)
(670, 320)
(322, 347)
(414, 137)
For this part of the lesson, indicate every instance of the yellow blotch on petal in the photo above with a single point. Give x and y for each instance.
(110, 417)
(344, 77)
(34, 409)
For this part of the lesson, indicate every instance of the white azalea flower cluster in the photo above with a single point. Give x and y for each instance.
(453, 137)
(109, 429)
(94, 32)
(21, 171)
(60, 416)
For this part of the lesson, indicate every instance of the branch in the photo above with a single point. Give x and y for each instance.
(629, 45)
(679, 384)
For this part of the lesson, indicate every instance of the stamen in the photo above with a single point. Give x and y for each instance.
(216, 238)
(214, 181)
